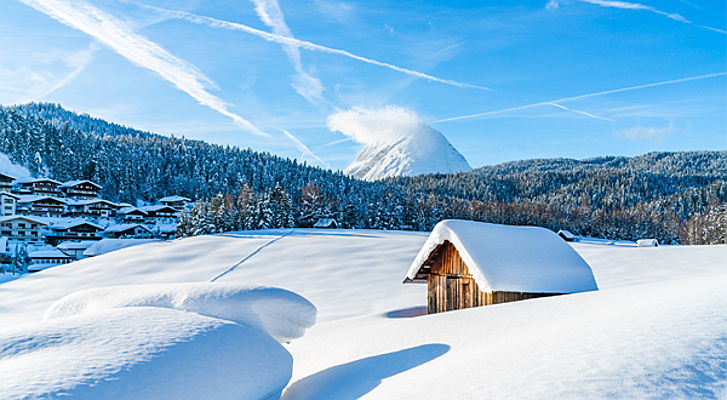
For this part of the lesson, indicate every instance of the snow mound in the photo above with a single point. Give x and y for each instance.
(104, 246)
(141, 353)
(511, 258)
(282, 314)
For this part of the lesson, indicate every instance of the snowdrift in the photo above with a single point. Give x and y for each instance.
(164, 341)
(282, 314)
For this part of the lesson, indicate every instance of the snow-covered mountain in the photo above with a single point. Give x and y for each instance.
(422, 150)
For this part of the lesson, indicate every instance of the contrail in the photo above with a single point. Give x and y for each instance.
(583, 96)
(303, 148)
(82, 60)
(305, 84)
(587, 114)
(553, 4)
(139, 50)
(344, 140)
(303, 44)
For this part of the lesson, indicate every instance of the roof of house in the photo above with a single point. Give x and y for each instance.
(157, 208)
(13, 195)
(173, 198)
(23, 217)
(32, 198)
(129, 210)
(125, 227)
(566, 234)
(48, 254)
(73, 224)
(91, 201)
(36, 180)
(647, 242)
(82, 245)
(4, 175)
(69, 184)
(324, 222)
(511, 258)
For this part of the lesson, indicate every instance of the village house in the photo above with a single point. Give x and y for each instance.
(38, 187)
(176, 202)
(470, 264)
(160, 214)
(43, 259)
(80, 189)
(98, 208)
(8, 203)
(41, 206)
(567, 236)
(76, 249)
(125, 231)
(326, 223)
(21, 229)
(132, 214)
(6, 182)
(73, 230)
(647, 243)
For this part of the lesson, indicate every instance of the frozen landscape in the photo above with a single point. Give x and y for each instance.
(231, 316)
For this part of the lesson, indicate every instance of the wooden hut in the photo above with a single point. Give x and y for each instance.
(469, 264)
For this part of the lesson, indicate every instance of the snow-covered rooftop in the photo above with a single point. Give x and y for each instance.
(157, 208)
(73, 224)
(170, 199)
(10, 194)
(511, 258)
(48, 254)
(128, 210)
(31, 198)
(38, 180)
(69, 184)
(324, 223)
(125, 227)
(23, 217)
(82, 245)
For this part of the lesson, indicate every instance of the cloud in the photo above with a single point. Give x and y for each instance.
(302, 44)
(582, 96)
(139, 50)
(371, 126)
(646, 132)
(305, 150)
(554, 4)
(305, 84)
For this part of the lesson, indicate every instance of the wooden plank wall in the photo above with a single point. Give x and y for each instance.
(451, 286)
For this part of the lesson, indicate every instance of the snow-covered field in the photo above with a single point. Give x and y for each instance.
(657, 327)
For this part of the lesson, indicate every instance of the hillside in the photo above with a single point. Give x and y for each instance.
(674, 197)
(369, 341)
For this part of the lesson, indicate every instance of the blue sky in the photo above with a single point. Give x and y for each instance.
(196, 68)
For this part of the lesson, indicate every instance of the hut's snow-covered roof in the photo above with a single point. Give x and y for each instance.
(175, 198)
(70, 184)
(325, 223)
(511, 258)
(41, 254)
(125, 227)
(647, 243)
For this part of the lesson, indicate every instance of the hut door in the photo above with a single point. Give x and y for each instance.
(454, 293)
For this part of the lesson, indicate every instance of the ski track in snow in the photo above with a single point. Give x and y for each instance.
(249, 256)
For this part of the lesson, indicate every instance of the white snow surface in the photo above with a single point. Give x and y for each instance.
(282, 314)
(422, 150)
(656, 328)
(141, 353)
(511, 258)
(104, 246)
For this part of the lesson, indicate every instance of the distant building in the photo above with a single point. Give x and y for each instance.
(8, 203)
(76, 249)
(326, 223)
(166, 231)
(132, 214)
(38, 187)
(92, 208)
(80, 190)
(647, 243)
(177, 202)
(160, 214)
(41, 205)
(6, 182)
(125, 231)
(469, 264)
(43, 259)
(22, 229)
(567, 236)
(73, 230)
